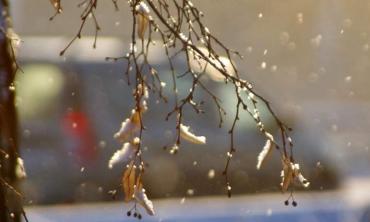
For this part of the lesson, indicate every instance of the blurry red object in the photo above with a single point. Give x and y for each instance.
(79, 132)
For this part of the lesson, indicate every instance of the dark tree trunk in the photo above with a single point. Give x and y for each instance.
(9, 202)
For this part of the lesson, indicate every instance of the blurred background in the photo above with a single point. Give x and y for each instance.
(310, 59)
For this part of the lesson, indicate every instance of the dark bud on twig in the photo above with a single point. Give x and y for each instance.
(294, 203)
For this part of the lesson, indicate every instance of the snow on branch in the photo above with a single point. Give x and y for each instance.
(178, 25)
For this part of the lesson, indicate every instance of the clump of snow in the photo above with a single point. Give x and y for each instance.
(141, 197)
(187, 135)
(125, 154)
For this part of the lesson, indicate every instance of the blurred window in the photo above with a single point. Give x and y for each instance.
(38, 90)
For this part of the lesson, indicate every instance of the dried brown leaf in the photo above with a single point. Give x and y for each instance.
(287, 174)
(128, 182)
(135, 118)
(57, 5)
(143, 19)
(142, 25)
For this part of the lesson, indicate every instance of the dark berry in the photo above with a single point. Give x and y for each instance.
(135, 214)
(286, 203)
(128, 213)
(294, 204)
(139, 216)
